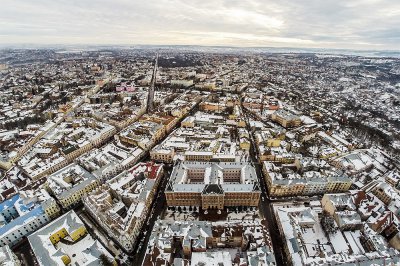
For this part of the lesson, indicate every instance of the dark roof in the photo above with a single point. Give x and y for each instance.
(213, 189)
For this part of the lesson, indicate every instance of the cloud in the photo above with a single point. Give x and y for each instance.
(359, 24)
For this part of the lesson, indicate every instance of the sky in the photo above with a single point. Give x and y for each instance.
(349, 24)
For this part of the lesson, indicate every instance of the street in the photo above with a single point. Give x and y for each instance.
(157, 209)
(266, 208)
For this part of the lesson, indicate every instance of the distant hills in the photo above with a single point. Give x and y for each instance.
(211, 49)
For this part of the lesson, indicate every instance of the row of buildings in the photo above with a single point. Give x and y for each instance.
(213, 133)
(209, 243)
(122, 205)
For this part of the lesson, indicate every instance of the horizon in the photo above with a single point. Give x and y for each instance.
(135, 45)
(384, 53)
(250, 24)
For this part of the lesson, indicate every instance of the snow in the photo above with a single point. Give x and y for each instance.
(353, 238)
(337, 241)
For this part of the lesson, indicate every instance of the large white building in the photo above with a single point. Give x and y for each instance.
(213, 185)
(65, 241)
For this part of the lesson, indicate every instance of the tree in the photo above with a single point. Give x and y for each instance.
(328, 223)
(105, 261)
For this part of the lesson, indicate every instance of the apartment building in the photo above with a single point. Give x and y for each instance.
(70, 184)
(285, 180)
(206, 243)
(24, 213)
(286, 119)
(122, 205)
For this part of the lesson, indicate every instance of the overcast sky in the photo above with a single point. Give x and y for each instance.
(358, 24)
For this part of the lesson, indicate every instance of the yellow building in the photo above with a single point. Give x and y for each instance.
(198, 156)
(338, 184)
(161, 155)
(188, 122)
(210, 106)
(70, 184)
(286, 119)
(244, 144)
(291, 183)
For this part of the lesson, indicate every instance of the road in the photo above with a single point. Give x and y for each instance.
(24, 253)
(158, 205)
(150, 96)
(266, 207)
(157, 210)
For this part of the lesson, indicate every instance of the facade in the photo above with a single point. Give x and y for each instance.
(286, 119)
(70, 184)
(159, 154)
(285, 180)
(182, 83)
(213, 185)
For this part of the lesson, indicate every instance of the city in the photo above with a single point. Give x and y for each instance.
(198, 156)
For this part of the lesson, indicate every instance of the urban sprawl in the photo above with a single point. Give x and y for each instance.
(183, 157)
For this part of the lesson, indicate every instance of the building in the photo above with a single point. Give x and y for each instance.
(62, 144)
(122, 205)
(143, 134)
(332, 203)
(306, 243)
(354, 163)
(286, 119)
(269, 137)
(109, 160)
(65, 241)
(302, 179)
(205, 137)
(70, 184)
(24, 213)
(182, 83)
(206, 243)
(8, 258)
(213, 185)
(385, 192)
